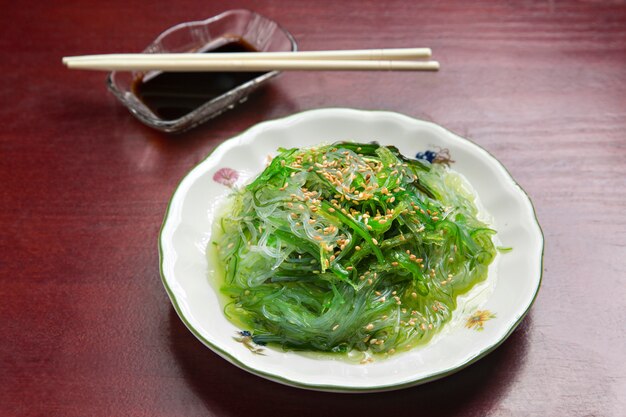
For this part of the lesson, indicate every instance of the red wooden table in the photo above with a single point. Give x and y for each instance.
(86, 328)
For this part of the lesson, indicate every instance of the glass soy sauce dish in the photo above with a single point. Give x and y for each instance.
(178, 101)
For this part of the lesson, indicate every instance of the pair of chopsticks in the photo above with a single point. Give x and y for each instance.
(399, 59)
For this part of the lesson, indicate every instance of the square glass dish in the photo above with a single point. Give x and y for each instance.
(257, 31)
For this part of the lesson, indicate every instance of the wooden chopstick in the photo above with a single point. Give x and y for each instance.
(397, 59)
(251, 65)
(357, 54)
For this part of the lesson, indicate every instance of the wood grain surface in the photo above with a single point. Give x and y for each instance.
(86, 328)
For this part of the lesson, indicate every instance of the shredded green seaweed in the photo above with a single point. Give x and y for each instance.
(350, 247)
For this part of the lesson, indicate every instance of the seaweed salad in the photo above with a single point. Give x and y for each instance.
(350, 247)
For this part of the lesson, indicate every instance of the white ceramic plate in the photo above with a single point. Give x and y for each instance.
(507, 294)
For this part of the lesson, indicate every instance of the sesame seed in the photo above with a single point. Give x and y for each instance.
(394, 264)
(335, 327)
(369, 326)
(414, 294)
(357, 247)
(374, 241)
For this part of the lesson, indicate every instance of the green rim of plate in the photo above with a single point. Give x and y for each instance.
(340, 388)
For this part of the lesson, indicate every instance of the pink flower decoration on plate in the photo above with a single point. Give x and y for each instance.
(226, 176)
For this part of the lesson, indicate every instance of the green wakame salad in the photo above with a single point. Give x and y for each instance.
(350, 247)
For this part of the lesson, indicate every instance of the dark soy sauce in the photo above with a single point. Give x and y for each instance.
(171, 95)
